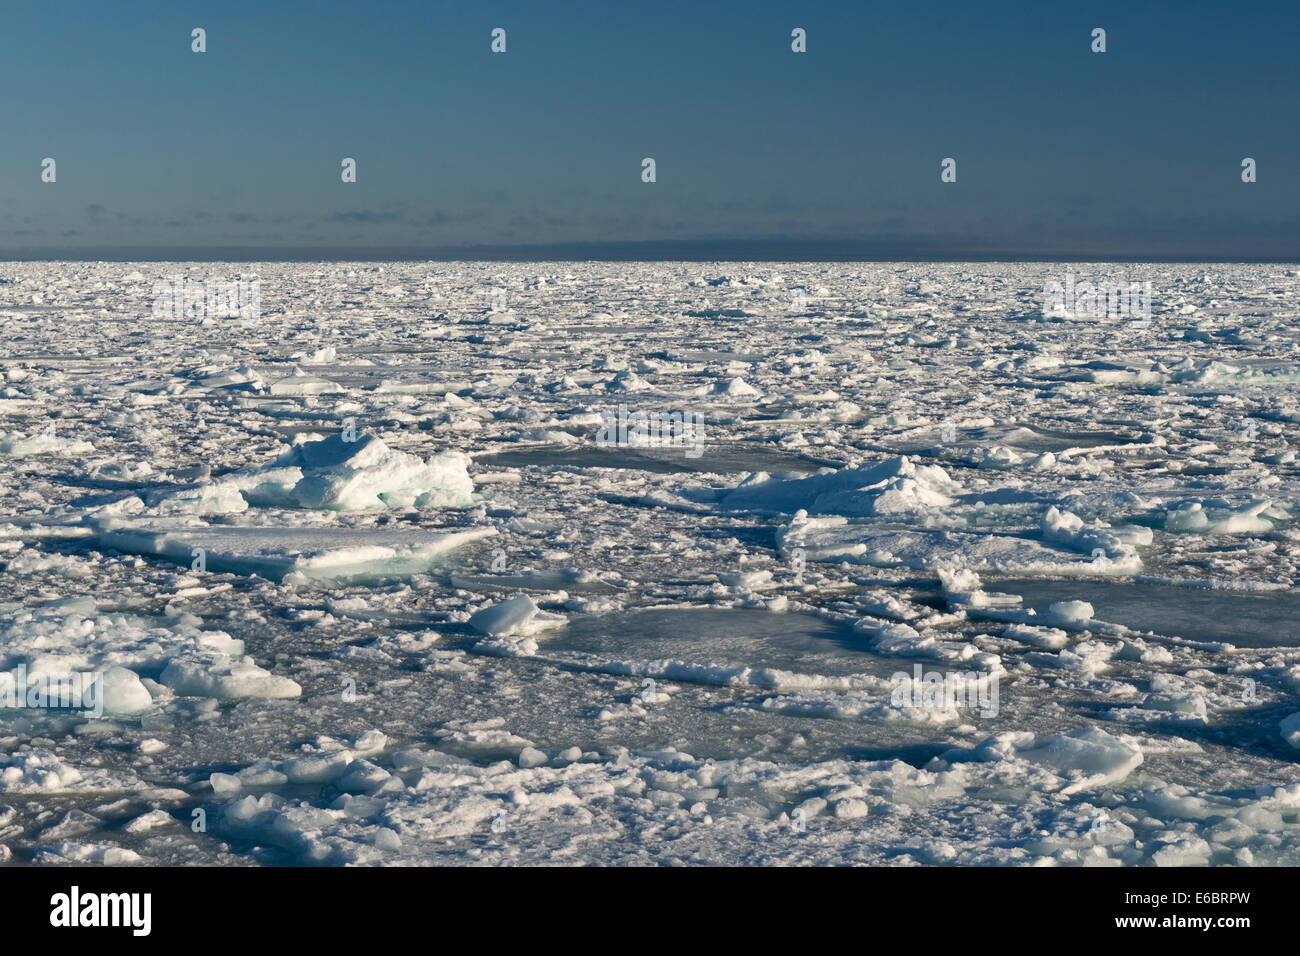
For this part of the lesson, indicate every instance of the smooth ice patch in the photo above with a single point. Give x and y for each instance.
(301, 554)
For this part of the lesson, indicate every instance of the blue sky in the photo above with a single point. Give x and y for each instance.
(1136, 151)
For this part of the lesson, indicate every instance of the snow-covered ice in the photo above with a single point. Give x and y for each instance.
(934, 578)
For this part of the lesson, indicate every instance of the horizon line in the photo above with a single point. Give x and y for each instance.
(654, 250)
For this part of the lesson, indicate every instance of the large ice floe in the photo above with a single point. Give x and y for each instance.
(297, 553)
(935, 578)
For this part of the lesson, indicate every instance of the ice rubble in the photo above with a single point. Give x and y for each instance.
(141, 660)
(1063, 798)
(338, 475)
(1255, 517)
(17, 445)
(1084, 759)
(734, 389)
(1111, 548)
(837, 539)
(897, 486)
(830, 512)
(33, 771)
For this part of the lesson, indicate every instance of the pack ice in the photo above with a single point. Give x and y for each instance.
(940, 578)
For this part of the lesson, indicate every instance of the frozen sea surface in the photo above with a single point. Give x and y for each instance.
(368, 581)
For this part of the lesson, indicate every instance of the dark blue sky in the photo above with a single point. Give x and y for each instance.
(1060, 151)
